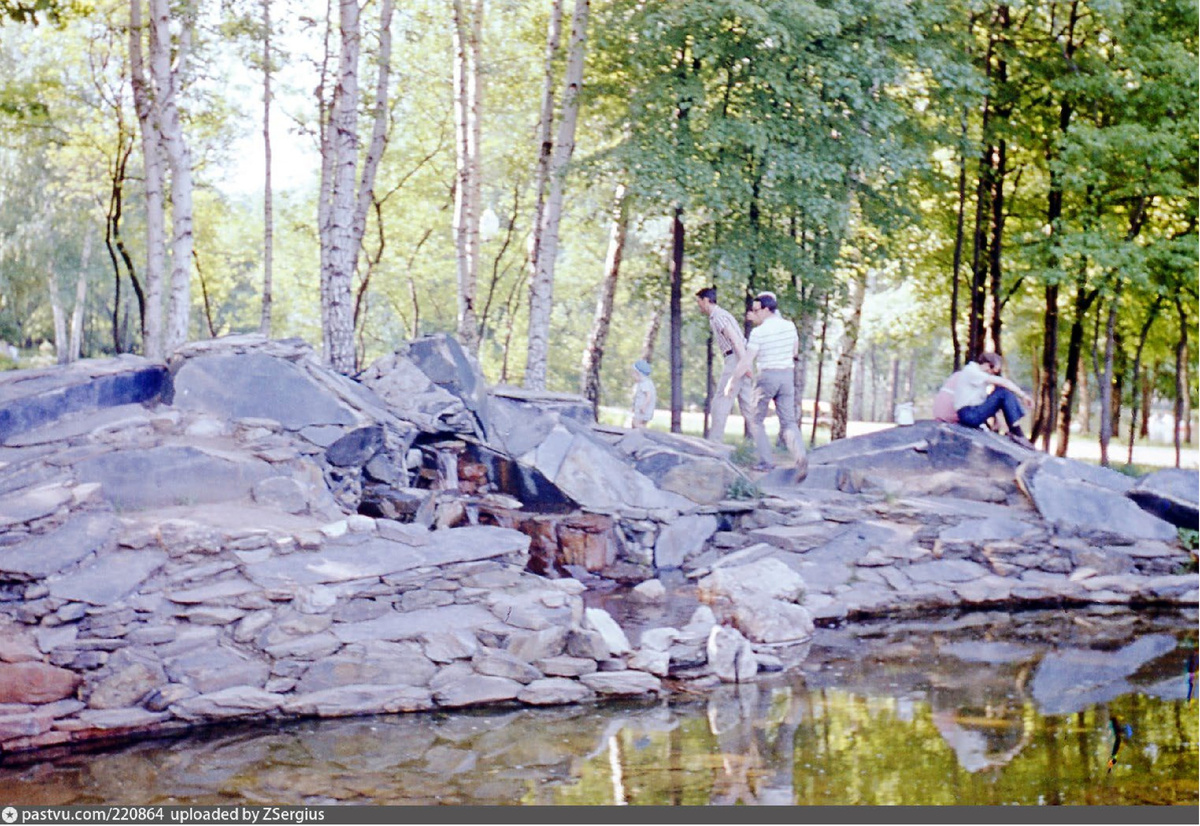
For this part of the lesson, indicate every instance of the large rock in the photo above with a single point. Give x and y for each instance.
(1172, 495)
(256, 385)
(595, 475)
(730, 655)
(107, 578)
(32, 398)
(415, 397)
(172, 475)
(1079, 500)
(765, 577)
(686, 465)
(683, 538)
(34, 683)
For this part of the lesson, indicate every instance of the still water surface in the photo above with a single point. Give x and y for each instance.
(1043, 707)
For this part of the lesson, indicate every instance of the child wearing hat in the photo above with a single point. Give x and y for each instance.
(644, 395)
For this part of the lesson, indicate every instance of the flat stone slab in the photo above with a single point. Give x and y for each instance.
(33, 504)
(379, 556)
(49, 553)
(108, 578)
(1090, 509)
(255, 385)
(92, 421)
(412, 625)
(1171, 495)
(945, 570)
(172, 475)
(32, 399)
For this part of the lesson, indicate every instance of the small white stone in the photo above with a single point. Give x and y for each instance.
(360, 523)
(335, 529)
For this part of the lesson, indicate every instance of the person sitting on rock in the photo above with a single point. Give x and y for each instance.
(980, 392)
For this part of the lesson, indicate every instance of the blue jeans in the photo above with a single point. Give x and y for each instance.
(1001, 399)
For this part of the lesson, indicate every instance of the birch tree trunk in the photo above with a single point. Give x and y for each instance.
(845, 362)
(168, 72)
(541, 289)
(676, 322)
(1106, 384)
(467, 32)
(152, 161)
(75, 347)
(593, 354)
(338, 239)
(264, 324)
(60, 320)
(545, 130)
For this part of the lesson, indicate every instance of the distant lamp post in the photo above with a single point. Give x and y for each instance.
(489, 224)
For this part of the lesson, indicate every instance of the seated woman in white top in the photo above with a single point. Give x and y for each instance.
(980, 392)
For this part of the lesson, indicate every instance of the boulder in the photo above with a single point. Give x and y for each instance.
(35, 682)
(167, 475)
(602, 622)
(32, 398)
(1087, 503)
(554, 691)
(257, 385)
(683, 538)
(765, 577)
(686, 465)
(1172, 495)
(622, 683)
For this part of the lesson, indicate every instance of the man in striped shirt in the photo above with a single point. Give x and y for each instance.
(727, 335)
(774, 346)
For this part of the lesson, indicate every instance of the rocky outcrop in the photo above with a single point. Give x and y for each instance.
(251, 536)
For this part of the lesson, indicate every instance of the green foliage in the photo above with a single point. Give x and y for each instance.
(1189, 539)
(743, 488)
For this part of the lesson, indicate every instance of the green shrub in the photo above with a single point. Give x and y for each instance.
(743, 488)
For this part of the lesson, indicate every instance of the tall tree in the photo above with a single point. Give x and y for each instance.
(145, 98)
(467, 31)
(541, 287)
(264, 324)
(593, 354)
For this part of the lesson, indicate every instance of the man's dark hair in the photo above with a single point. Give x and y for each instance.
(991, 360)
(709, 293)
(767, 301)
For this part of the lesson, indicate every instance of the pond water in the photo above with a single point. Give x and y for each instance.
(1035, 707)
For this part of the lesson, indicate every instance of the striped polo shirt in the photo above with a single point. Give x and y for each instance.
(775, 340)
(725, 329)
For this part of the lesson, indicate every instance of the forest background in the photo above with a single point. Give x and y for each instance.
(551, 181)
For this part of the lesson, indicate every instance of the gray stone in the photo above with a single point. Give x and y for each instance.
(239, 701)
(652, 661)
(563, 666)
(989, 529)
(730, 655)
(764, 577)
(212, 669)
(356, 447)
(282, 492)
(651, 590)
(795, 537)
(475, 690)
(945, 570)
(622, 683)
(602, 623)
(172, 475)
(686, 465)
(216, 592)
(416, 625)
(1071, 503)
(402, 664)
(108, 578)
(495, 663)
(555, 691)
(532, 646)
(34, 504)
(447, 646)
(48, 553)
(353, 700)
(765, 620)
(236, 386)
(587, 644)
(131, 676)
(379, 556)
(1172, 495)
(683, 538)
